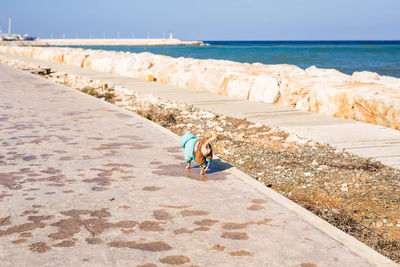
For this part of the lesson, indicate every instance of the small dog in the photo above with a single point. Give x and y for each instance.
(198, 150)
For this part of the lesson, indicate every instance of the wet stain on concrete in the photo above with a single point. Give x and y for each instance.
(218, 247)
(235, 235)
(39, 247)
(308, 264)
(119, 166)
(123, 115)
(132, 145)
(5, 221)
(127, 231)
(255, 207)
(152, 188)
(26, 212)
(22, 228)
(175, 206)
(67, 228)
(187, 231)
(162, 215)
(150, 246)
(151, 226)
(131, 137)
(19, 241)
(100, 213)
(29, 158)
(236, 226)
(51, 170)
(175, 260)
(65, 243)
(75, 212)
(173, 149)
(206, 222)
(241, 253)
(147, 265)
(259, 201)
(98, 188)
(37, 219)
(94, 241)
(10, 180)
(32, 189)
(26, 234)
(66, 158)
(186, 213)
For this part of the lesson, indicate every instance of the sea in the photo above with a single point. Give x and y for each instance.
(382, 57)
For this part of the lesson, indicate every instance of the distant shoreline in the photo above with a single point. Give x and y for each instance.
(119, 42)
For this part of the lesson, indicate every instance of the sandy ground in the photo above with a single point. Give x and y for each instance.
(359, 196)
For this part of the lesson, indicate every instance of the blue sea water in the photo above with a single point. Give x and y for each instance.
(382, 57)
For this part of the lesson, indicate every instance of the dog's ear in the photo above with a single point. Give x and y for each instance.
(206, 147)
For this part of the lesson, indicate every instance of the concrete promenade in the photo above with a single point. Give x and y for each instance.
(85, 183)
(363, 139)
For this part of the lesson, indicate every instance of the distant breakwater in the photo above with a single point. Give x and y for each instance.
(364, 96)
(120, 42)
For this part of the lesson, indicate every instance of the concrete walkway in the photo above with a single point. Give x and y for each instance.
(85, 183)
(363, 139)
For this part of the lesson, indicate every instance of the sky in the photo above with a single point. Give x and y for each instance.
(205, 19)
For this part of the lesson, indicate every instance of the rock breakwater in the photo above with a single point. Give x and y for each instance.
(364, 96)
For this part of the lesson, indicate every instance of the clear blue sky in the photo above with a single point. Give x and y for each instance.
(206, 19)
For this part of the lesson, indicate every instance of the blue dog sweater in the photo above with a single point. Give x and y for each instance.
(188, 141)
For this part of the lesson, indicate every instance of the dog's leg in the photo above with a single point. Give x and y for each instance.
(188, 165)
(208, 165)
(202, 172)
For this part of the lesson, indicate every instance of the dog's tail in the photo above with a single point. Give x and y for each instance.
(212, 138)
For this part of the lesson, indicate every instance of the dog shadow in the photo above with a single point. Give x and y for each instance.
(215, 172)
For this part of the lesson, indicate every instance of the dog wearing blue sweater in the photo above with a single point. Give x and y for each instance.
(198, 150)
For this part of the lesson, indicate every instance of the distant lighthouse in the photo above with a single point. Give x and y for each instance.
(170, 36)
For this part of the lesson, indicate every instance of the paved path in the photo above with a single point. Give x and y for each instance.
(363, 139)
(85, 183)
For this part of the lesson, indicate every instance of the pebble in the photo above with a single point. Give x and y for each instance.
(307, 174)
(344, 188)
